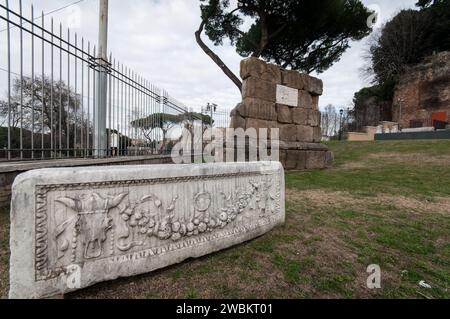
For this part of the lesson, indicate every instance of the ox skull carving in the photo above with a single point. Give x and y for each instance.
(93, 221)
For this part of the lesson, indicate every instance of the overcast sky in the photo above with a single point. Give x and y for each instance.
(156, 39)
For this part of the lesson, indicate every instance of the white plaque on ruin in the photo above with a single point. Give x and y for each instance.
(287, 96)
(72, 228)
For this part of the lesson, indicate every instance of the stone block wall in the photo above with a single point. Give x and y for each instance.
(288, 100)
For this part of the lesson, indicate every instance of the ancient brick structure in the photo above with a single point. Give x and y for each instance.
(276, 98)
(423, 90)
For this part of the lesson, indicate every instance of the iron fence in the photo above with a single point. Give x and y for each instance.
(49, 108)
(219, 118)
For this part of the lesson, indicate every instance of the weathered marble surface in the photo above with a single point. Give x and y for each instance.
(74, 227)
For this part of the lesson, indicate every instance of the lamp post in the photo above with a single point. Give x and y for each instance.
(341, 113)
(210, 108)
(100, 138)
(400, 101)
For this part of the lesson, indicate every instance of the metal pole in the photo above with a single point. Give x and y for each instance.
(102, 83)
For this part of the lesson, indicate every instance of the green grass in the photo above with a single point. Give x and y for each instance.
(384, 203)
(346, 152)
(381, 175)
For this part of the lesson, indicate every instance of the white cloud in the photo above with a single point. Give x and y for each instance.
(156, 39)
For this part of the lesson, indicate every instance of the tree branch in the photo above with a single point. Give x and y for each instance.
(216, 58)
(277, 32)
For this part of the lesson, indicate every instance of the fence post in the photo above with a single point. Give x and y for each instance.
(100, 139)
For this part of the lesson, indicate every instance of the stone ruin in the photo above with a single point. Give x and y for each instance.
(273, 97)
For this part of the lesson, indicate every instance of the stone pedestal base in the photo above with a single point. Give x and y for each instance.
(304, 156)
(293, 156)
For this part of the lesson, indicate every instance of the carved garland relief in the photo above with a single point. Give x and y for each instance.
(95, 224)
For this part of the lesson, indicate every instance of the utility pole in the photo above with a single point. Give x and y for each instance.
(100, 138)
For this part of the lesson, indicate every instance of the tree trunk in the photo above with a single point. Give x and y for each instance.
(264, 35)
(216, 58)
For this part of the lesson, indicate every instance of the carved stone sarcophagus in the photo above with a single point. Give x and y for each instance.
(72, 228)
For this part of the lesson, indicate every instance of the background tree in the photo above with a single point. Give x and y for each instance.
(400, 44)
(331, 120)
(304, 35)
(408, 38)
(190, 119)
(43, 111)
(162, 121)
(165, 122)
(40, 105)
(438, 11)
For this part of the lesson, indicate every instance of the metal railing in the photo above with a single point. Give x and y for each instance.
(50, 101)
(220, 118)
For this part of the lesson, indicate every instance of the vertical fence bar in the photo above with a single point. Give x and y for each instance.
(61, 87)
(113, 108)
(150, 119)
(141, 117)
(32, 83)
(108, 118)
(144, 117)
(138, 116)
(121, 110)
(8, 36)
(43, 89)
(133, 108)
(94, 102)
(82, 144)
(153, 119)
(116, 110)
(125, 125)
(88, 123)
(75, 125)
(150, 102)
(154, 110)
(21, 79)
(147, 119)
(68, 96)
(119, 104)
(52, 110)
(125, 128)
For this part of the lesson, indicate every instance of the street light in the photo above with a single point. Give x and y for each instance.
(212, 108)
(400, 101)
(341, 113)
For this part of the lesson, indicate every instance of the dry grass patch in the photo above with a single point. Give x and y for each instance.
(407, 237)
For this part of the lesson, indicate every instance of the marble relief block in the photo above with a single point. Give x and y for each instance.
(74, 227)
